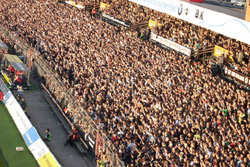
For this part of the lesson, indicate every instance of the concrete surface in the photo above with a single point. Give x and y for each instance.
(42, 117)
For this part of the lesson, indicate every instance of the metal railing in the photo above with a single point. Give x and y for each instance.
(63, 94)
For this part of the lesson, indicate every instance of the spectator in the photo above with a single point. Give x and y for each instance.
(48, 135)
(73, 137)
(20, 91)
(158, 107)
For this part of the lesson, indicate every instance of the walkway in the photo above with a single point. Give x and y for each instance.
(43, 117)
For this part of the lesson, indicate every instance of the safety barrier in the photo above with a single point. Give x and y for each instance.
(169, 44)
(205, 54)
(114, 21)
(29, 133)
(138, 26)
(63, 96)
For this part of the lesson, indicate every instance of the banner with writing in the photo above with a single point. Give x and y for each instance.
(219, 51)
(37, 147)
(110, 18)
(219, 22)
(237, 76)
(170, 44)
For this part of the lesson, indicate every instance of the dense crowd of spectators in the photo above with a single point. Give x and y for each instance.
(158, 107)
(128, 12)
(182, 32)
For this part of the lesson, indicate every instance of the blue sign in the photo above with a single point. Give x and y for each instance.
(3, 87)
(6, 97)
(31, 136)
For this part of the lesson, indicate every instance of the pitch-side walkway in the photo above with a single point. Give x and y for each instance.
(43, 117)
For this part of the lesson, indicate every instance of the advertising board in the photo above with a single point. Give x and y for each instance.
(237, 76)
(219, 51)
(170, 44)
(219, 22)
(30, 135)
(152, 24)
(114, 20)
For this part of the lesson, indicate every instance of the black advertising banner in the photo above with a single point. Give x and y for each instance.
(237, 76)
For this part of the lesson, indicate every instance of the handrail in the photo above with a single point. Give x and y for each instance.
(61, 110)
(49, 72)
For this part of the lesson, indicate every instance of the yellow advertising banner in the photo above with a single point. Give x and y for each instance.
(153, 24)
(219, 51)
(103, 6)
(6, 78)
(48, 161)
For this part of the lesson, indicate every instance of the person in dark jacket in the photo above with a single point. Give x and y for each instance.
(73, 137)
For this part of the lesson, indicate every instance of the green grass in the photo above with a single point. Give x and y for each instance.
(10, 138)
(2, 163)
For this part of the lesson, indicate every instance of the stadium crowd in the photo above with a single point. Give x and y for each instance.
(182, 32)
(158, 107)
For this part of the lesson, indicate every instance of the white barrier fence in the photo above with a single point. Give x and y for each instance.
(114, 20)
(32, 139)
(73, 3)
(170, 44)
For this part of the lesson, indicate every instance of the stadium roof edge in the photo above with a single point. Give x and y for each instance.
(221, 23)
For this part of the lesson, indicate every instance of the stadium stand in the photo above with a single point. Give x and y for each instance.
(157, 107)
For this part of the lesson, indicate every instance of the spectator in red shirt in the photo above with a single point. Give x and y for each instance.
(11, 69)
(18, 80)
(114, 138)
(73, 137)
(18, 72)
